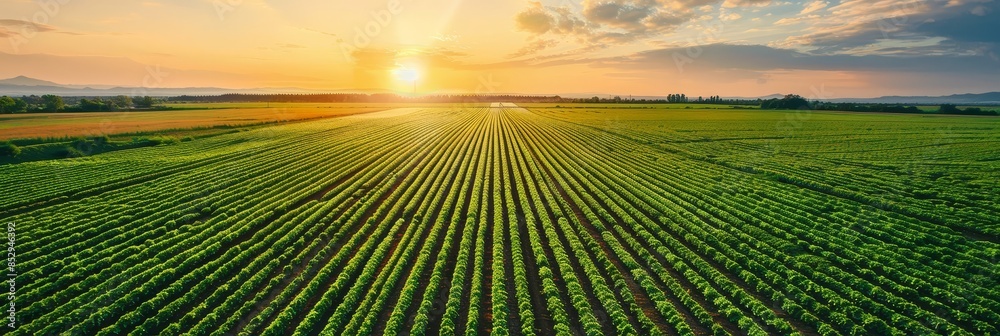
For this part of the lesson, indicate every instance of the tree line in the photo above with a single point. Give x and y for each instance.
(796, 102)
(394, 98)
(54, 103)
(671, 98)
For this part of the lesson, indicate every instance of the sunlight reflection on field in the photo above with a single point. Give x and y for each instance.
(387, 113)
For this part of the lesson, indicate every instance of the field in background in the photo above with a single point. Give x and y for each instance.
(670, 106)
(57, 125)
(317, 105)
(537, 220)
(207, 115)
(933, 108)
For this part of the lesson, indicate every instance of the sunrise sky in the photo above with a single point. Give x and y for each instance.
(819, 49)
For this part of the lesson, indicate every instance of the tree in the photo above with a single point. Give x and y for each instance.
(120, 102)
(949, 109)
(87, 105)
(12, 105)
(6, 105)
(20, 105)
(789, 102)
(795, 102)
(144, 102)
(52, 103)
(33, 100)
(677, 98)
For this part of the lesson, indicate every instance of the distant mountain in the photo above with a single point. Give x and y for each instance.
(26, 86)
(989, 98)
(27, 81)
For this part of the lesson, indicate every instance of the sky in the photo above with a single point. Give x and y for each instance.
(734, 48)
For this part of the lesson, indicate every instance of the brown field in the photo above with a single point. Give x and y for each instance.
(44, 125)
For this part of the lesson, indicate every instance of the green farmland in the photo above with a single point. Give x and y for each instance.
(533, 220)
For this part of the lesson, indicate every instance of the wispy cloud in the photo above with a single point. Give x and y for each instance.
(814, 6)
(534, 47)
(13, 28)
(742, 3)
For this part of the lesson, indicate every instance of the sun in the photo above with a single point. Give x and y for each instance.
(406, 74)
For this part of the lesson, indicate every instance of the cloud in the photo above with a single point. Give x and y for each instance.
(12, 28)
(534, 47)
(603, 23)
(762, 58)
(857, 23)
(814, 6)
(745, 3)
(540, 20)
(720, 67)
(318, 32)
(719, 59)
(955, 26)
(625, 15)
(535, 19)
(977, 25)
(795, 20)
